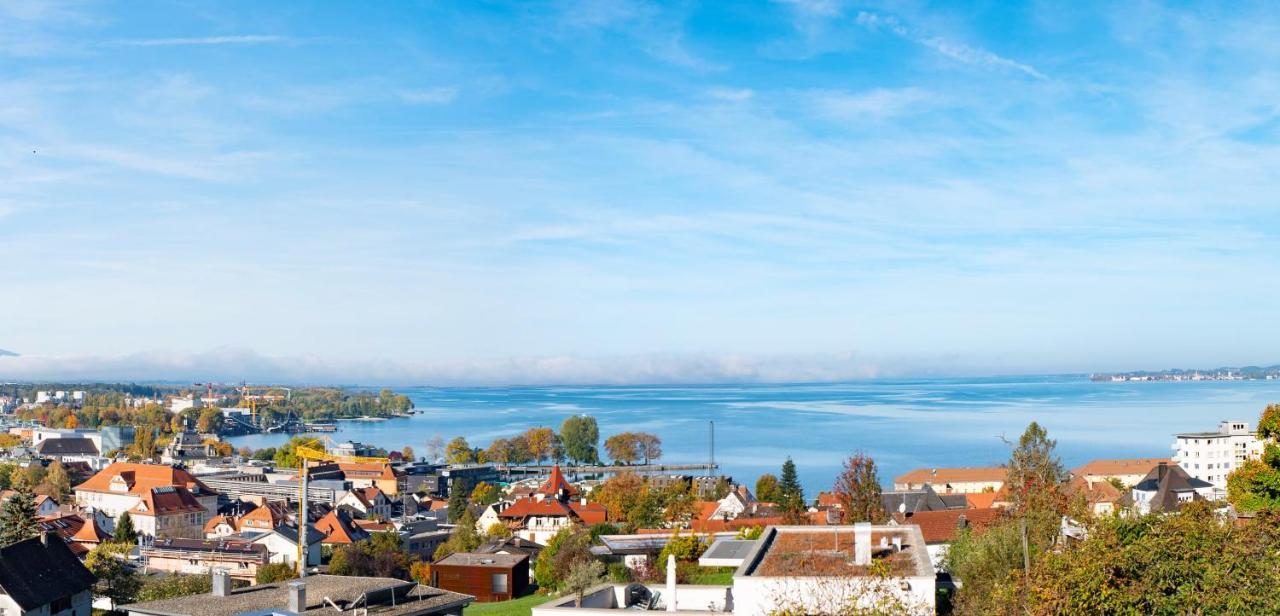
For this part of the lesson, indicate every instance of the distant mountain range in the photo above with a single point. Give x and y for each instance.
(1245, 373)
(4, 353)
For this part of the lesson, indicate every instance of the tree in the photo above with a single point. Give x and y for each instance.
(459, 491)
(71, 423)
(124, 532)
(767, 489)
(580, 434)
(464, 537)
(286, 456)
(650, 446)
(1187, 562)
(116, 581)
(566, 550)
(57, 480)
(857, 488)
(619, 494)
(210, 420)
(499, 451)
(1255, 484)
(18, 519)
(435, 447)
(791, 494)
(171, 586)
(459, 452)
(407, 453)
(541, 443)
(582, 576)
(484, 494)
(275, 572)
(988, 562)
(624, 448)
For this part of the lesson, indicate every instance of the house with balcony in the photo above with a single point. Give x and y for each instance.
(162, 501)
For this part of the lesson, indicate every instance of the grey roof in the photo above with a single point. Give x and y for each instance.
(473, 559)
(926, 499)
(67, 446)
(290, 532)
(410, 599)
(730, 548)
(513, 545)
(37, 571)
(1168, 481)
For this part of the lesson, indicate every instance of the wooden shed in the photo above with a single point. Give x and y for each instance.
(487, 577)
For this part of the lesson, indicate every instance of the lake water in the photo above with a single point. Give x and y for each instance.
(903, 424)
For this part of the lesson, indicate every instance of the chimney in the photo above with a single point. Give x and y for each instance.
(1161, 471)
(221, 583)
(862, 543)
(297, 597)
(45, 538)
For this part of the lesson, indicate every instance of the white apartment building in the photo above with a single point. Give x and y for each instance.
(1211, 456)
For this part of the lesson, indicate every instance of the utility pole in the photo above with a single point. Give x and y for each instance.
(1026, 553)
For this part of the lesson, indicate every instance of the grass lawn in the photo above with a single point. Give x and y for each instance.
(713, 576)
(514, 607)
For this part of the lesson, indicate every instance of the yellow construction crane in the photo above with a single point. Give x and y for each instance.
(306, 453)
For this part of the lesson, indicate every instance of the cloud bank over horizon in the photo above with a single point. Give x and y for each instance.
(236, 364)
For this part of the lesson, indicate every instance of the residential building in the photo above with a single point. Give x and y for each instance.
(77, 448)
(1128, 472)
(40, 435)
(421, 537)
(45, 505)
(939, 528)
(241, 559)
(1211, 456)
(339, 529)
(1101, 497)
(1166, 488)
(79, 534)
(953, 480)
(282, 545)
(162, 501)
(790, 569)
(42, 577)
(367, 502)
(554, 506)
(925, 498)
(487, 577)
(316, 595)
(516, 546)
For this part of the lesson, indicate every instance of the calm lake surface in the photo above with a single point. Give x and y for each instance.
(903, 424)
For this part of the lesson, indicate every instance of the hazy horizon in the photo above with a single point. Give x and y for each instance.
(620, 191)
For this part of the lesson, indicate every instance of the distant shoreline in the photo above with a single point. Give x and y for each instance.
(1246, 373)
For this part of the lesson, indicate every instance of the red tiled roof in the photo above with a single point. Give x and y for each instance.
(367, 470)
(212, 524)
(590, 513)
(939, 476)
(1112, 468)
(166, 500)
(527, 507)
(828, 499)
(981, 500)
(943, 526)
(140, 478)
(556, 483)
(266, 517)
(339, 529)
(374, 526)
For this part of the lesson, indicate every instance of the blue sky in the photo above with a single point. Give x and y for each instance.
(621, 191)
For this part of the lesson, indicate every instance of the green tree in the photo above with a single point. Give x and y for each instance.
(857, 488)
(459, 492)
(116, 581)
(275, 572)
(463, 538)
(767, 490)
(124, 533)
(172, 586)
(791, 494)
(210, 420)
(564, 551)
(18, 519)
(1255, 484)
(459, 452)
(583, 575)
(286, 456)
(580, 434)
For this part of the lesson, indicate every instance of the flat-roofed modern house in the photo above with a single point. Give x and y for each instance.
(316, 595)
(42, 577)
(489, 577)
(1211, 456)
(793, 570)
(960, 480)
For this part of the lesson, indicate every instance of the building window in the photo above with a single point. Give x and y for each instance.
(498, 583)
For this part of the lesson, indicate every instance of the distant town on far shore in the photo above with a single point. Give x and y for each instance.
(1246, 373)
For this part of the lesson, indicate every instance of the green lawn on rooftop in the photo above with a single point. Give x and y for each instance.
(514, 607)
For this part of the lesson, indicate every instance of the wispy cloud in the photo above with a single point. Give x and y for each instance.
(878, 103)
(235, 39)
(433, 96)
(951, 49)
